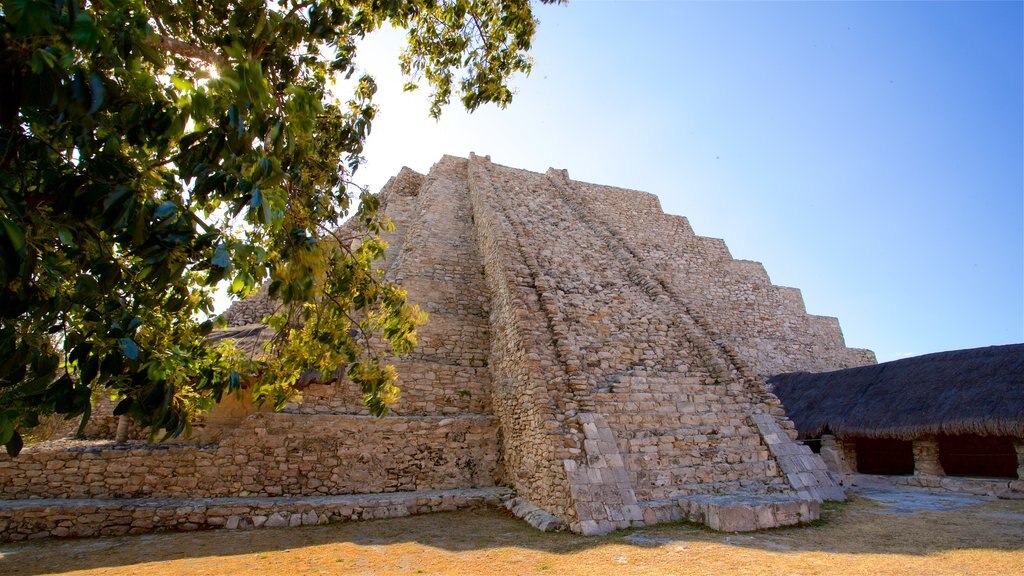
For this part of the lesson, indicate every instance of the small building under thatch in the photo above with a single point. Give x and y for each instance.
(949, 414)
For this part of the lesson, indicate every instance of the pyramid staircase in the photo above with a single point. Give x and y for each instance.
(585, 353)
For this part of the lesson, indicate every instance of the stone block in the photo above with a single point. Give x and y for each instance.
(275, 520)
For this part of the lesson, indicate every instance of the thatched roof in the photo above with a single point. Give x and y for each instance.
(977, 391)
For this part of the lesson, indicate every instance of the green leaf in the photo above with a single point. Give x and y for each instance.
(99, 92)
(221, 257)
(90, 369)
(42, 60)
(182, 84)
(129, 348)
(83, 31)
(123, 406)
(65, 236)
(7, 425)
(14, 445)
(165, 209)
(14, 235)
(87, 412)
(115, 200)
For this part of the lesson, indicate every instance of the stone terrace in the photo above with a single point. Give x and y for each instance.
(584, 350)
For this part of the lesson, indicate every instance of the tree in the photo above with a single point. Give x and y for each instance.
(152, 150)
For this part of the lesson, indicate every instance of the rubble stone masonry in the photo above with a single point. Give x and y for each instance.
(584, 349)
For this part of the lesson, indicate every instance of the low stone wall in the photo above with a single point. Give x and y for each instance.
(998, 487)
(746, 514)
(29, 519)
(271, 454)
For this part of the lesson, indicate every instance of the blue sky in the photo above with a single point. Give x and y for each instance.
(870, 154)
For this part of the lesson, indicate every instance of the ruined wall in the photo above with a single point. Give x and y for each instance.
(583, 348)
(530, 390)
(32, 519)
(432, 253)
(629, 357)
(767, 324)
(250, 310)
(426, 389)
(271, 455)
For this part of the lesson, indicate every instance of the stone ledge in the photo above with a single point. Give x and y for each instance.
(732, 513)
(1005, 488)
(534, 516)
(43, 518)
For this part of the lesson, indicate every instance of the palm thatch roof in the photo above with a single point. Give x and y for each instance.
(977, 391)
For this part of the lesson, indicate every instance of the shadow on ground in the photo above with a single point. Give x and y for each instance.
(886, 524)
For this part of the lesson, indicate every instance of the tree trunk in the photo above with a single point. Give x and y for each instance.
(122, 429)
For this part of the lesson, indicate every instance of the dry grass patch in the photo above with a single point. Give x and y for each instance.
(853, 539)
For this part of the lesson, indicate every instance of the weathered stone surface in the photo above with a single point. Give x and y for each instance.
(997, 487)
(23, 519)
(926, 457)
(584, 348)
(276, 454)
(534, 516)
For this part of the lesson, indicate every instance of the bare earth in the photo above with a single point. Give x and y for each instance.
(883, 534)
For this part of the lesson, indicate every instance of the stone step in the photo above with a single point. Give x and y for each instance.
(648, 491)
(629, 395)
(72, 517)
(683, 438)
(671, 459)
(686, 413)
(734, 513)
(644, 407)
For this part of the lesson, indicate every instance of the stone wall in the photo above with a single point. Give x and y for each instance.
(607, 356)
(530, 394)
(30, 519)
(426, 389)
(583, 348)
(767, 324)
(254, 308)
(213, 426)
(433, 254)
(271, 455)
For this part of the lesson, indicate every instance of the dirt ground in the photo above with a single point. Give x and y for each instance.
(869, 535)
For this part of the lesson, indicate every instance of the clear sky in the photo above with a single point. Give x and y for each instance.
(870, 154)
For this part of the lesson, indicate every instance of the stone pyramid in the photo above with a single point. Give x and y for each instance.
(589, 361)
(621, 356)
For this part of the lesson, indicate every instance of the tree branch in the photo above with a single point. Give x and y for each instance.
(175, 46)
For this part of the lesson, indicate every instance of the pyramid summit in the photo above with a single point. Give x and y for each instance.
(588, 359)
